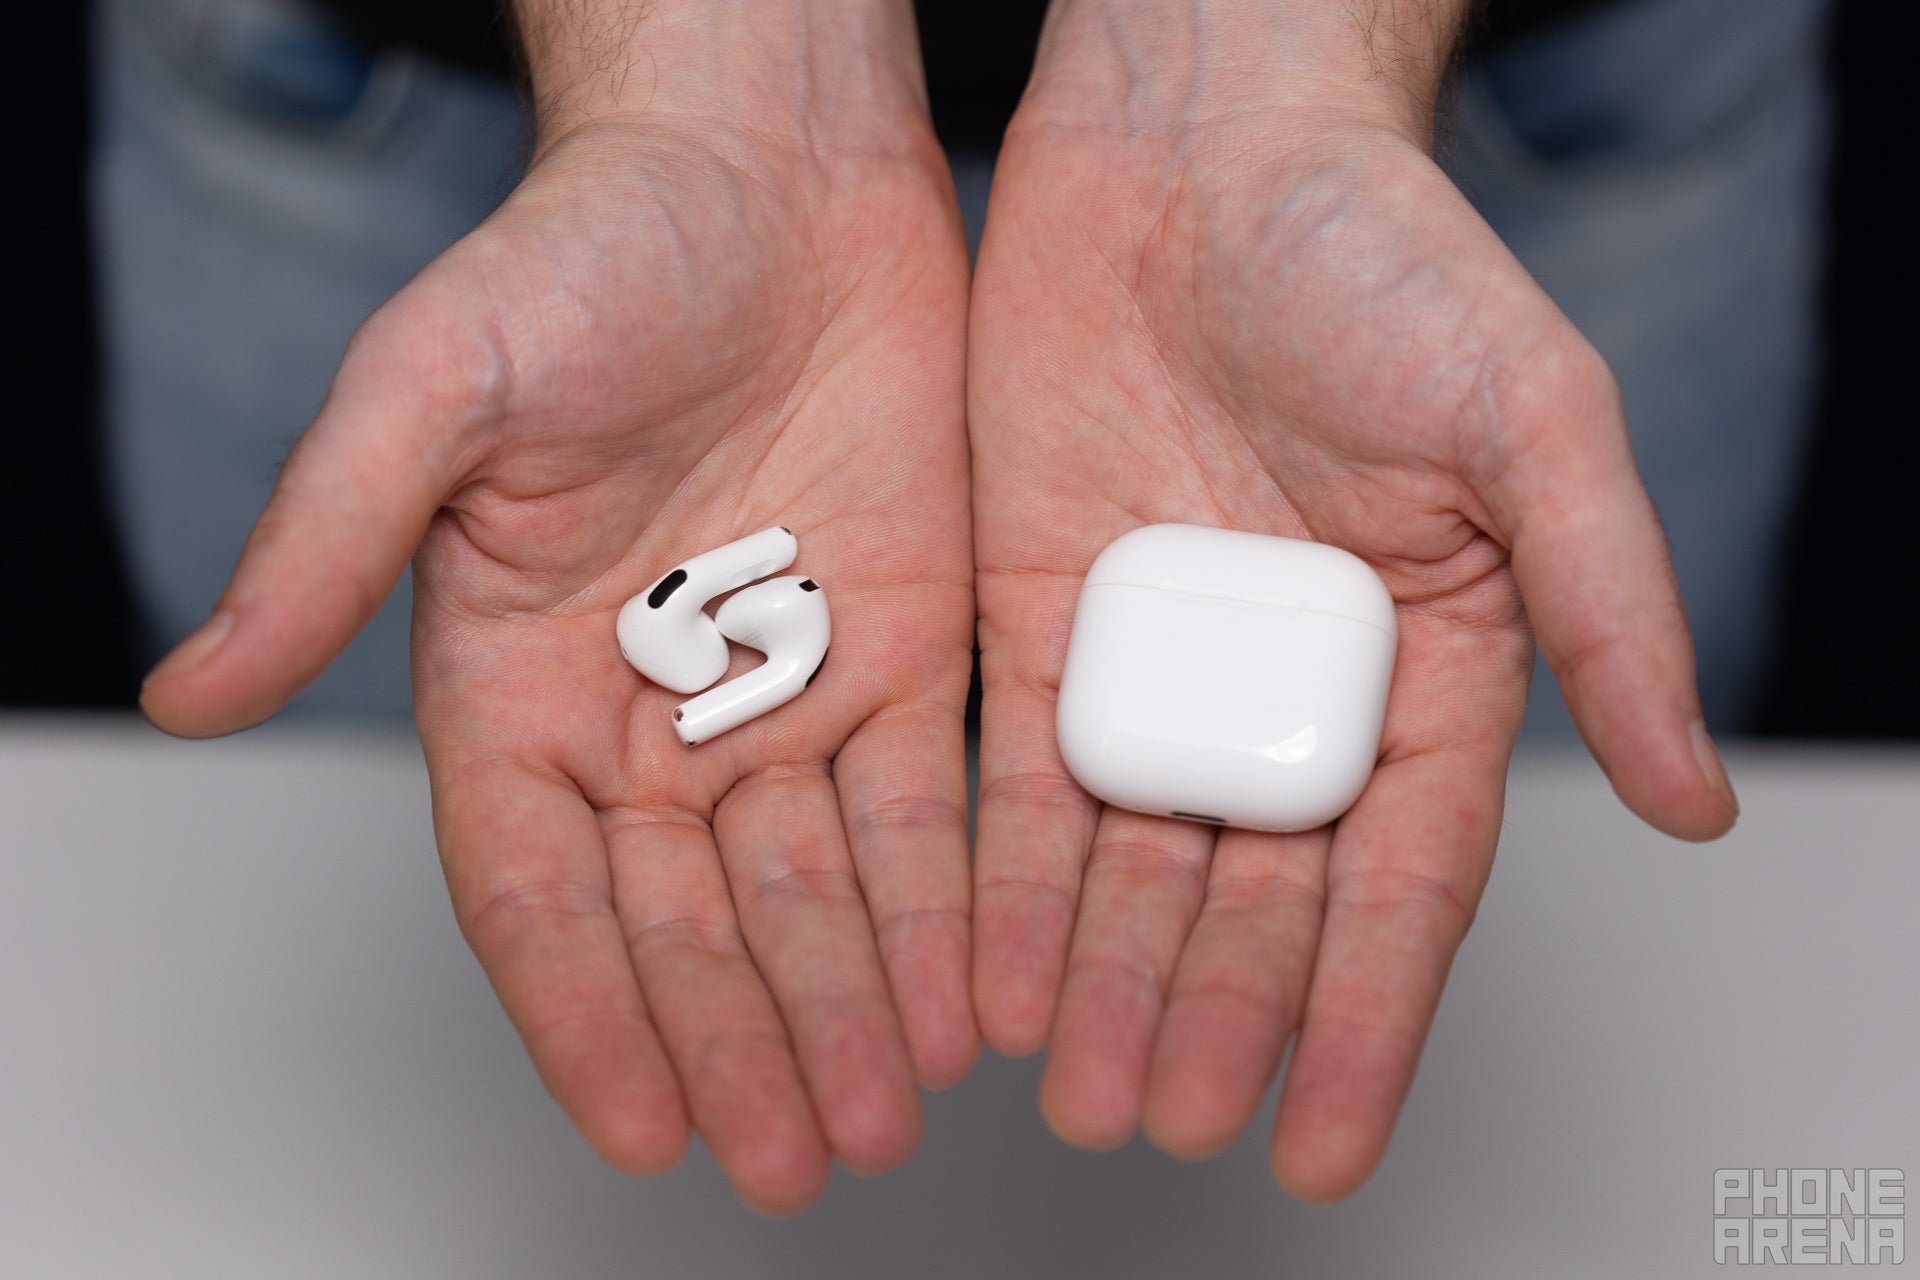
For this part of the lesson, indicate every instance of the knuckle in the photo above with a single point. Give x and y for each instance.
(1150, 864)
(1063, 893)
(523, 904)
(1404, 891)
(1240, 987)
(692, 933)
(1119, 971)
(747, 1056)
(905, 814)
(899, 933)
(1559, 374)
(429, 350)
(1258, 893)
(558, 1023)
(1039, 789)
(890, 925)
(1524, 401)
(815, 884)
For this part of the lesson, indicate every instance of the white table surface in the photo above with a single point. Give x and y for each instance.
(240, 1036)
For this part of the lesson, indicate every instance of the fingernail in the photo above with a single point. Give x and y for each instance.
(1712, 768)
(196, 648)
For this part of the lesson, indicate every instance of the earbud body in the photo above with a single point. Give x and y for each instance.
(787, 620)
(664, 631)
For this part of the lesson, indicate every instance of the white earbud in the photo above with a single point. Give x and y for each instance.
(664, 632)
(787, 620)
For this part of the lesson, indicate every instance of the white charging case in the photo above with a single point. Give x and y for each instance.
(1226, 677)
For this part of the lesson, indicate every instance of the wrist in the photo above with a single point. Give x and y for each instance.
(1152, 66)
(833, 74)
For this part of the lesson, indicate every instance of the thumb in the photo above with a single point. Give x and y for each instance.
(352, 502)
(1591, 562)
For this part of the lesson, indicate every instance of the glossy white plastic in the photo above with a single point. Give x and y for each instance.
(665, 632)
(786, 619)
(1226, 677)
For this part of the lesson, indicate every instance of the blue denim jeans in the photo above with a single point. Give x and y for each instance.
(1660, 167)
(263, 183)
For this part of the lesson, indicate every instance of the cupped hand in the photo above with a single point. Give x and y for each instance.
(1269, 321)
(674, 333)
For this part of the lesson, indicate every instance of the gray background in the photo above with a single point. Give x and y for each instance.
(240, 1036)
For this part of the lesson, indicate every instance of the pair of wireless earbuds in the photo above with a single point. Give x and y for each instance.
(667, 636)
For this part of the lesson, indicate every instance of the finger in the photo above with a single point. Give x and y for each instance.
(1239, 989)
(1036, 828)
(1592, 566)
(351, 504)
(807, 926)
(1144, 885)
(527, 870)
(732, 1052)
(1406, 870)
(902, 782)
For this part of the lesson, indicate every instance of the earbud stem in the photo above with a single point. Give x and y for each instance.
(732, 704)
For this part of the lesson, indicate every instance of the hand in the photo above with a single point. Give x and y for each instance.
(682, 328)
(1251, 301)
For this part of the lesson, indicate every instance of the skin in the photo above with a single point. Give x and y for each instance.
(1222, 283)
(688, 324)
(1252, 301)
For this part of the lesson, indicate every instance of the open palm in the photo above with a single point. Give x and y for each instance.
(669, 337)
(1321, 340)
